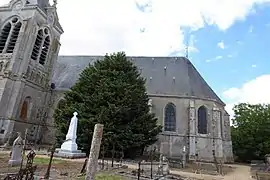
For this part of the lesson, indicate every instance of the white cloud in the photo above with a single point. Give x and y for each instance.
(100, 26)
(254, 91)
(239, 42)
(214, 59)
(254, 65)
(218, 57)
(221, 45)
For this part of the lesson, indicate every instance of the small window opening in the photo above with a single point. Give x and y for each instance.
(45, 49)
(4, 36)
(24, 110)
(14, 37)
(37, 45)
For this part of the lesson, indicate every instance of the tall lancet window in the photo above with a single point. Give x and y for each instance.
(170, 118)
(202, 120)
(37, 45)
(41, 46)
(9, 35)
(45, 50)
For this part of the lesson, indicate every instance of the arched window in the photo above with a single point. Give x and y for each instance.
(41, 46)
(202, 120)
(25, 108)
(170, 118)
(44, 51)
(9, 35)
(37, 45)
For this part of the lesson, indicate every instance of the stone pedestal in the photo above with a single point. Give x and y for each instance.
(69, 148)
(69, 154)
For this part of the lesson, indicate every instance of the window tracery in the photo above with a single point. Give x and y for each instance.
(41, 46)
(170, 118)
(9, 35)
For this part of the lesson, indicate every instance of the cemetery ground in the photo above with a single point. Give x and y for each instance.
(70, 169)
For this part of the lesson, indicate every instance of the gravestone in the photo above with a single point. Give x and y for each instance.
(94, 152)
(184, 157)
(69, 148)
(166, 169)
(16, 153)
(160, 166)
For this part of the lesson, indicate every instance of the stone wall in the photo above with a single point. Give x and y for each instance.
(171, 143)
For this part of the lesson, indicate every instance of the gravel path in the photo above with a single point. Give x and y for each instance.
(241, 172)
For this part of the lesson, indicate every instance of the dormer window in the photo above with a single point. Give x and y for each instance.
(41, 46)
(9, 35)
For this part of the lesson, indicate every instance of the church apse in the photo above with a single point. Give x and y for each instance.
(181, 100)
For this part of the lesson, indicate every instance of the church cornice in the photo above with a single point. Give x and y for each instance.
(186, 97)
(163, 96)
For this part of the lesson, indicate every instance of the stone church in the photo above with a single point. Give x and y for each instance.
(33, 79)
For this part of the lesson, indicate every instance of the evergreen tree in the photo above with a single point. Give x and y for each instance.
(113, 93)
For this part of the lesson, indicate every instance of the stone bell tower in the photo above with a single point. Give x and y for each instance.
(29, 44)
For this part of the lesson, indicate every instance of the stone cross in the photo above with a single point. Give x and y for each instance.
(94, 152)
(70, 143)
(16, 153)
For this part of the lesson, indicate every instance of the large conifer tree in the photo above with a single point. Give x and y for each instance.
(113, 93)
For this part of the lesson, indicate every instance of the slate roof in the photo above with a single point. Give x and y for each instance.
(164, 75)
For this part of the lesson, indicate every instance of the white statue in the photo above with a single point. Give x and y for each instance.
(184, 149)
(16, 153)
(150, 104)
(69, 148)
(70, 142)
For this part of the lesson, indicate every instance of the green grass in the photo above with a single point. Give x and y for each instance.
(105, 176)
(39, 160)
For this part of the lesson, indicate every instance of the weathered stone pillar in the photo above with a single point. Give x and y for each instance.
(94, 152)
(192, 130)
(217, 132)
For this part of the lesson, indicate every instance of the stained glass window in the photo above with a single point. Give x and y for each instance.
(170, 118)
(202, 120)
